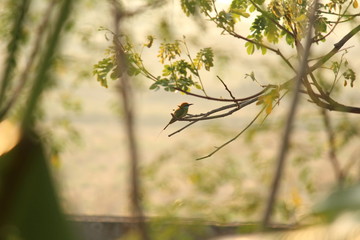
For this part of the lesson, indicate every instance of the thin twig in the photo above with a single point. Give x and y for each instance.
(340, 16)
(225, 99)
(195, 67)
(277, 51)
(332, 148)
(234, 138)
(228, 90)
(337, 47)
(204, 116)
(336, 78)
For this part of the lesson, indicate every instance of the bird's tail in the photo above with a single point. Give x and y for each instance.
(166, 126)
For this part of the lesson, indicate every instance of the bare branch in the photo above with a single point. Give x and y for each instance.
(205, 116)
(195, 67)
(225, 99)
(227, 89)
(332, 148)
(234, 138)
(337, 47)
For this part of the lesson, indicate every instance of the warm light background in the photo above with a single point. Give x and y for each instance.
(92, 175)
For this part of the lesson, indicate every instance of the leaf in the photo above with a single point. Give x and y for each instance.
(204, 57)
(349, 74)
(252, 8)
(236, 13)
(268, 99)
(271, 32)
(238, 4)
(189, 6)
(102, 69)
(149, 42)
(249, 48)
(320, 24)
(276, 8)
(154, 86)
(355, 4)
(169, 51)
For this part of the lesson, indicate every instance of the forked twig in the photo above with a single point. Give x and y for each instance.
(234, 138)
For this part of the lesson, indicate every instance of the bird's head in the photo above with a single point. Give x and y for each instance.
(185, 104)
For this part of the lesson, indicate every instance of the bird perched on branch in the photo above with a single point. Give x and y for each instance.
(179, 113)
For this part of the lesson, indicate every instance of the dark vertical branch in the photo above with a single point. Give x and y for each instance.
(24, 76)
(22, 159)
(127, 98)
(13, 46)
(339, 175)
(288, 128)
(41, 77)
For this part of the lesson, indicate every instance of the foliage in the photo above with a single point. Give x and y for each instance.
(177, 72)
(276, 27)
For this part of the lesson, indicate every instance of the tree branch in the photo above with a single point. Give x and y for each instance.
(24, 76)
(225, 99)
(234, 138)
(332, 148)
(204, 116)
(280, 165)
(126, 95)
(337, 47)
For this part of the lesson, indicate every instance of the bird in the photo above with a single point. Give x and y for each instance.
(179, 113)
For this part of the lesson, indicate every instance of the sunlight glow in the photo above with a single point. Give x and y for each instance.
(9, 136)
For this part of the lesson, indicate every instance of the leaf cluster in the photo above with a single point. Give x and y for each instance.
(180, 70)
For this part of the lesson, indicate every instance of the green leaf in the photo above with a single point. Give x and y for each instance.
(189, 7)
(235, 4)
(154, 86)
(252, 8)
(257, 28)
(150, 40)
(349, 74)
(236, 13)
(102, 69)
(263, 50)
(204, 57)
(169, 51)
(250, 49)
(271, 32)
(321, 25)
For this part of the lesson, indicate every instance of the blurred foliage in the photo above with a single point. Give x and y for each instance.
(225, 190)
(29, 204)
(177, 72)
(277, 27)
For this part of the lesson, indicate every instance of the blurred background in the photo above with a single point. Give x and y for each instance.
(83, 123)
